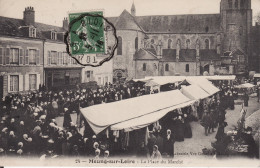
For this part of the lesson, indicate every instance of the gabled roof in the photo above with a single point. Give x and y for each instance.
(169, 55)
(143, 54)
(15, 27)
(126, 21)
(152, 50)
(237, 52)
(208, 55)
(187, 55)
(200, 23)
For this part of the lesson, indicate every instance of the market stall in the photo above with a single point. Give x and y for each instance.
(246, 87)
(194, 92)
(102, 116)
(203, 84)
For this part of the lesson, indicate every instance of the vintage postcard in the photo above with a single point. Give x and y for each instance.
(132, 83)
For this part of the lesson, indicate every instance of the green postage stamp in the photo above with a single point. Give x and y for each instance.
(87, 34)
(91, 38)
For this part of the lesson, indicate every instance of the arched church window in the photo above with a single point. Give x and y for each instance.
(242, 3)
(230, 4)
(187, 68)
(144, 66)
(240, 30)
(136, 43)
(207, 44)
(206, 29)
(152, 42)
(188, 43)
(167, 67)
(236, 3)
(119, 47)
(169, 43)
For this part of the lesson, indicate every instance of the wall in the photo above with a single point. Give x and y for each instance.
(151, 69)
(22, 70)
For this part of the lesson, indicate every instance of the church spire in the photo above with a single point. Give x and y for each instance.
(133, 11)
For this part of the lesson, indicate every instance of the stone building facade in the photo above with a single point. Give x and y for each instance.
(184, 44)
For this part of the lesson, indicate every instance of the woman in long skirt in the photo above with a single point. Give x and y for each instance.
(67, 118)
(187, 127)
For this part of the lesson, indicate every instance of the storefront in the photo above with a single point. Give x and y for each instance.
(57, 77)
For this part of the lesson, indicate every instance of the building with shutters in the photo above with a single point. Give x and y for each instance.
(161, 45)
(33, 53)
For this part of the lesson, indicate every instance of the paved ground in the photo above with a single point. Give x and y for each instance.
(193, 147)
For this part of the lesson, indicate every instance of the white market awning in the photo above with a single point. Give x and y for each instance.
(102, 116)
(146, 120)
(203, 84)
(194, 92)
(217, 77)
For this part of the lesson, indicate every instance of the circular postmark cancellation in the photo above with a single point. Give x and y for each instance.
(91, 39)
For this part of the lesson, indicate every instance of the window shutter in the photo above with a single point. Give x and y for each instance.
(49, 58)
(21, 57)
(26, 82)
(38, 81)
(1, 56)
(7, 56)
(20, 82)
(37, 57)
(26, 61)
(8, 83)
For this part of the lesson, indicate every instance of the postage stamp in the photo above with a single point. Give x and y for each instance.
(87, 38)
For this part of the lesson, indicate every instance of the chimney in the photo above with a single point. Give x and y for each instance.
(29, 16)
(65, 24)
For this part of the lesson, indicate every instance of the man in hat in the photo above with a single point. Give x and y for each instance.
(205, 122)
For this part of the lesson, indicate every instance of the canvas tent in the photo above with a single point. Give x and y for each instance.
(245, 86)
(163, 80)
(194, 92)
(146, 120)
(216, 77)
(102, 116)
(203, 84)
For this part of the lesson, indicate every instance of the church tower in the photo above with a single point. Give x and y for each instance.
(236, 23)
(133, 11)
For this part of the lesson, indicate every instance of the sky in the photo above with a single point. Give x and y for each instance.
(53, 11)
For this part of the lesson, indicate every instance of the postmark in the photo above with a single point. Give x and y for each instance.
(91, 39)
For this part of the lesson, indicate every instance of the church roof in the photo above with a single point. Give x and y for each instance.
(187, 55)
(126, 21)
(143, 54)
(169, 55)
(208, 55)
(199, 23)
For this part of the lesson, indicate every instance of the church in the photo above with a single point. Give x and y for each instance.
(200, 44)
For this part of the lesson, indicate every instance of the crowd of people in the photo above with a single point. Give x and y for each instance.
(28, 126)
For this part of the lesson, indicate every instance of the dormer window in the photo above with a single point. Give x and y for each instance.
(32, 32)
(53, 35)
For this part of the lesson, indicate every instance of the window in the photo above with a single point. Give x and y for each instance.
(207, 44)
(1, 55)
(230, 4)
(144, 66)
(54, 57)
(236, 3)
(65, 58)
(240, 30)
(187, 68)
(88, 76)
(169, 43)
(206, 29)
(14, 56)
(242, 3)
(188, 43)
(32, 32)
(136, 43)
(53, 35)
(32, 56)
(119, 47)
(60, 58)
(32, 81)
(14, 83)
(167, 67)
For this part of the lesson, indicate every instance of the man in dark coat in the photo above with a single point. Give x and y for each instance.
(205, 122)
(67, 118)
